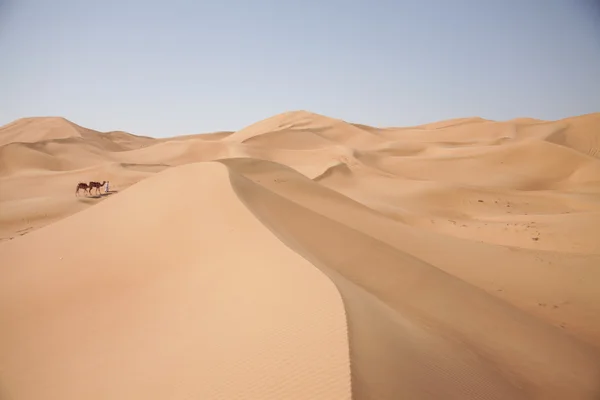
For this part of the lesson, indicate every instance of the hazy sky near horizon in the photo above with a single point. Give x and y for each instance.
(163, 68)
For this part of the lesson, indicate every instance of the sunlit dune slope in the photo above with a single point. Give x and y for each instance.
(137, 311)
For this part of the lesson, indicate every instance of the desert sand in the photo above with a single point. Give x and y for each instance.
(302, 257)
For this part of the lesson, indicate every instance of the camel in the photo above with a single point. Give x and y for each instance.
(83, 186)
(97, 186)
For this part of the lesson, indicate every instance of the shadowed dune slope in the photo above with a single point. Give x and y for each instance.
(581, 134)
(567, 298)
(415, 330)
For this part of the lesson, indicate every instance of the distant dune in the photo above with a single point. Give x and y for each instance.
(302, 257)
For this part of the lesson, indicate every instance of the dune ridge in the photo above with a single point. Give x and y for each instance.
(182, 321)
(302, 257)
(424, 295)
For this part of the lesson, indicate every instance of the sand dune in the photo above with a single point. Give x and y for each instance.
(32, 130)
(138, 311)
(302, 257)
(376, 276)
(303, 130)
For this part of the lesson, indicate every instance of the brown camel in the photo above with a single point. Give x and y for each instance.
(83, 186)
(97, 186)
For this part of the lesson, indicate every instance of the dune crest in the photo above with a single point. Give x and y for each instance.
(424, 299)
(37, 129)
(181, 320)
(302, 257)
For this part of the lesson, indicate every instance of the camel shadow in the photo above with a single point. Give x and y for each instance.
(101, 195)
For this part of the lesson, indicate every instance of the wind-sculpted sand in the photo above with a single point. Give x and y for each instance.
(302, 257)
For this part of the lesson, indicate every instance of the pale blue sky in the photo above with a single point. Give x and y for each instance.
(163, 68)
